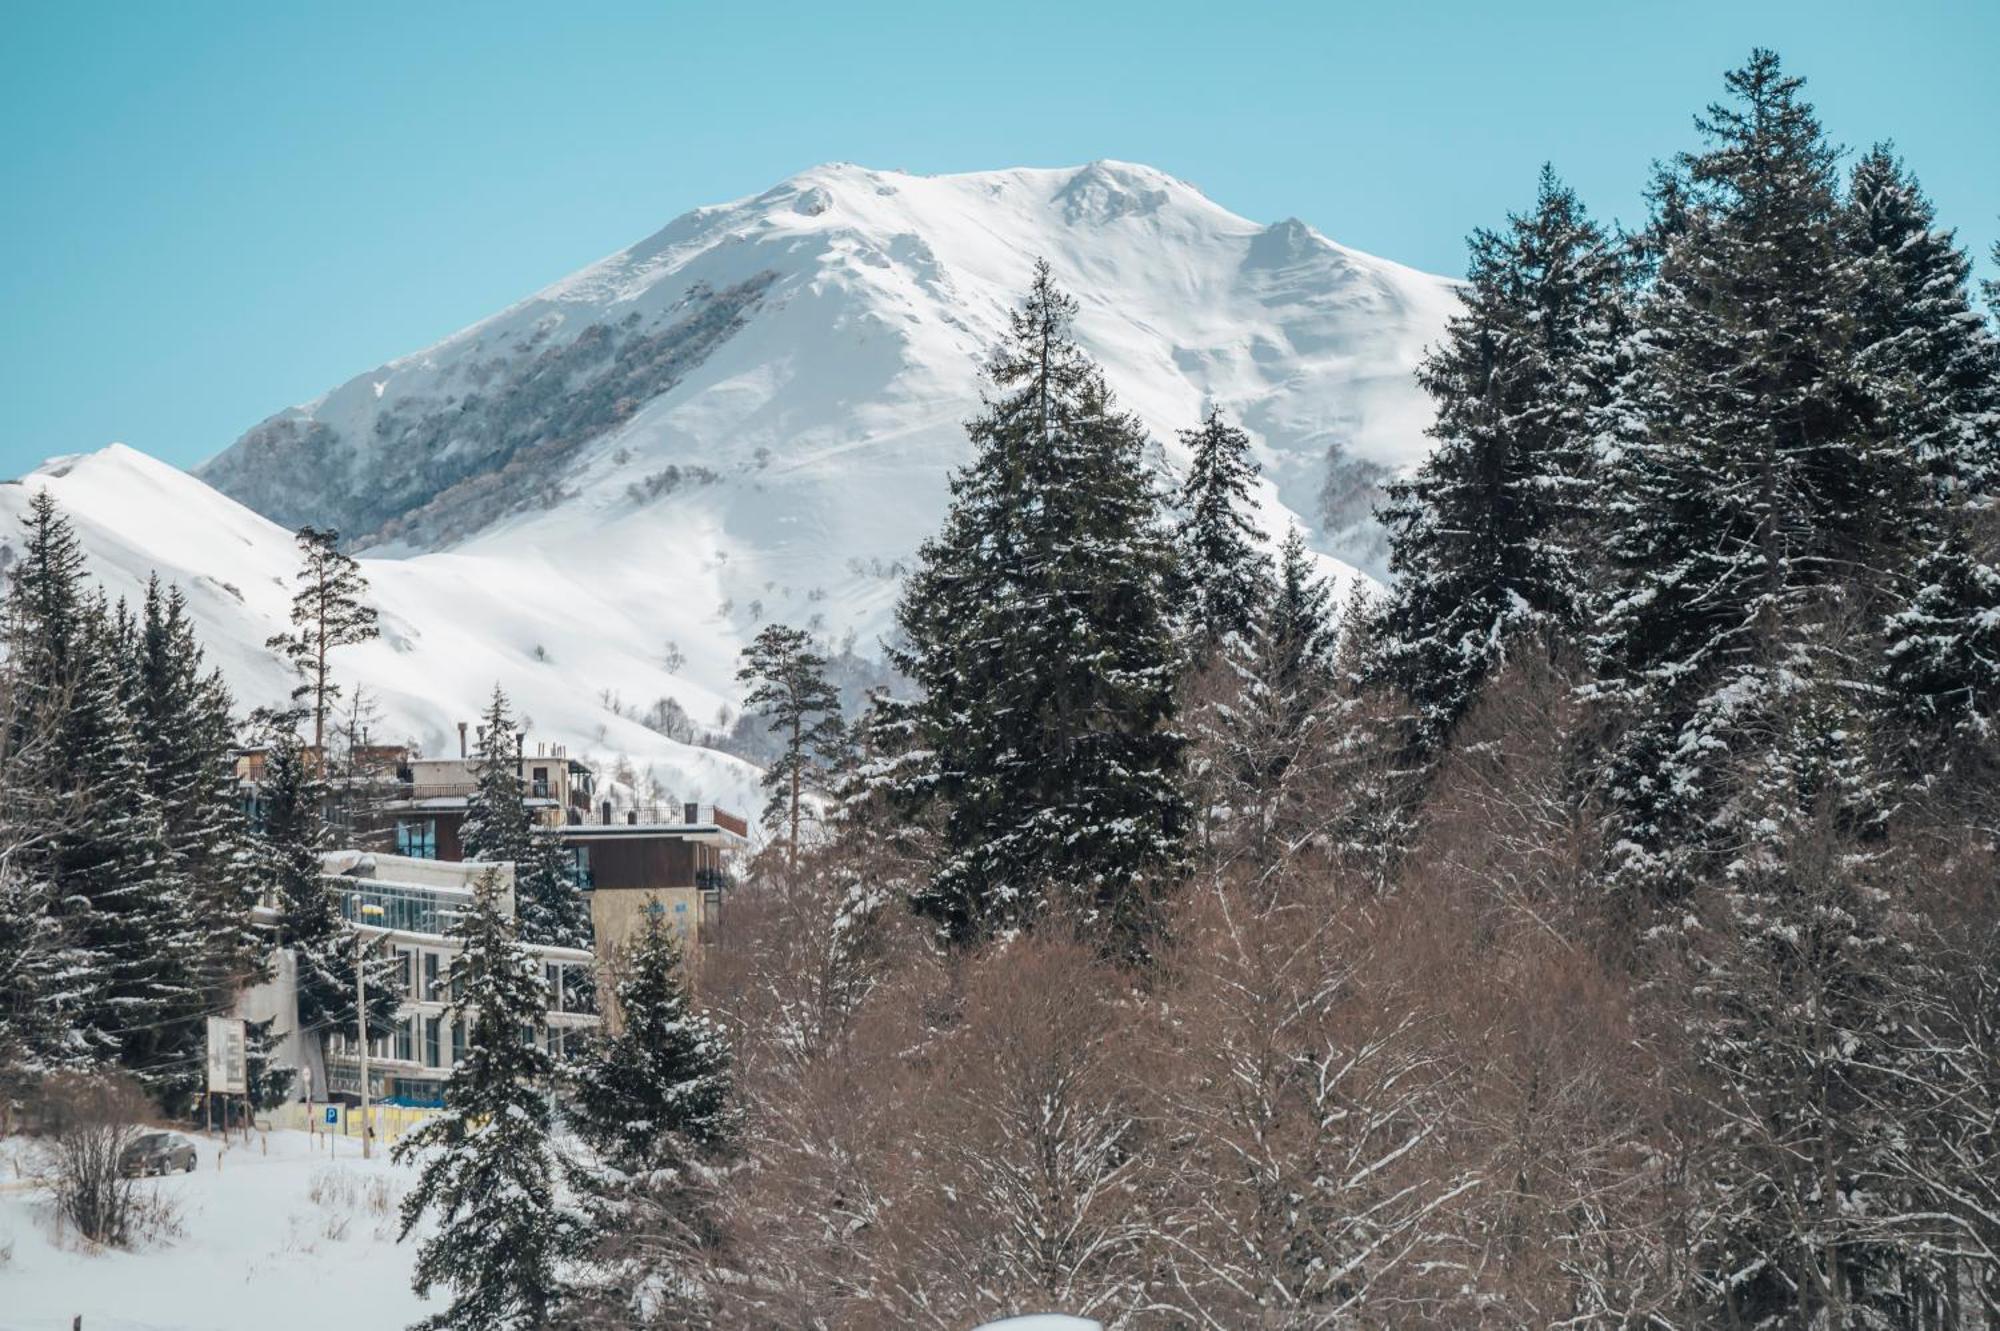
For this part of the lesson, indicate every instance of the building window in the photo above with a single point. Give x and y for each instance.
(579, 858)
(417, 838)
(405, 970)
(430, 977)
(541, 783)
(431, 1051)
(457, 1042)
(405, 1040)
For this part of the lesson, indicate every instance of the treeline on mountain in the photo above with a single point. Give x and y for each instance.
(143, 886)
(1597, 929)
(454, 464)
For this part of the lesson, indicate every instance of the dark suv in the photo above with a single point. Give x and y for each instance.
(157, 1153)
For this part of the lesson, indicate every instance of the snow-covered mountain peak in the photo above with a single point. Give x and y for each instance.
(597, 494)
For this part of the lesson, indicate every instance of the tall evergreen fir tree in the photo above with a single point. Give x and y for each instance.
(327, 613)
(293, 839)
(1278, 715)
(45, 632)
(143, 957)
(657, 1093)
(1223, 569)
(498, 824)
(1932, 370)
(43, 978)
(789, 690)
(1923, 353)
(1296, 632)
(186, 735)
(656, 1103)
(549, 898)
(121, 896)
(502, 827)
(1038, 633)
(1485, 538)
(1742, 485)
(47, 972)
(490, 1172)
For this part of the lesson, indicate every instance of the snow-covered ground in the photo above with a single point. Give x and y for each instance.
(282, 1235)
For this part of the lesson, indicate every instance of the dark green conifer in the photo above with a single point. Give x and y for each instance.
(1038, 634)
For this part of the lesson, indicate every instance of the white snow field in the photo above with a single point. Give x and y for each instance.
(283, 1235)
(453, 624)
(293, 1238)
(659, 505)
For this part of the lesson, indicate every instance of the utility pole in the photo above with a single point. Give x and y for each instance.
(361, 1027)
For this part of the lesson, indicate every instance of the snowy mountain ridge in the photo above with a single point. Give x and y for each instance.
(596, 495)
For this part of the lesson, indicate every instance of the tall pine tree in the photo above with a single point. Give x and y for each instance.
(293, 839)
(187, 737)
(657, 1093)
(1742, 485)
(327, 613)
(490, 1171)
(498, 822)
(502, 827)
(790, 692)
(1038, 632)
(1932, 371)
(656, 1102)
(124, 907)
(120, 745)
(1485, 538)
(1807, 1073)
(1278, 717)
(1224, 571)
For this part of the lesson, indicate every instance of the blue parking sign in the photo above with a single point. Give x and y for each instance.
(333, 1116)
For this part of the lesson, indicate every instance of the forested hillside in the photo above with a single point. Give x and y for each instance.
(1597, 928)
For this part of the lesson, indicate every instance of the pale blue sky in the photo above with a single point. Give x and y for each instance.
(209, 211)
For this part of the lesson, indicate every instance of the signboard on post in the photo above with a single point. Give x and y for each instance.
(228, 1060)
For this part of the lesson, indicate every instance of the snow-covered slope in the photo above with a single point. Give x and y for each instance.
(452, 624)
(282, 1234)
(818, 344)
(752, 416)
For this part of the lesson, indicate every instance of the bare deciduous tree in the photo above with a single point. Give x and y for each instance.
(88, 1123)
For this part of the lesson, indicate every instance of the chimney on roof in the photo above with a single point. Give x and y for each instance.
(461, 739)
(607, 813)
